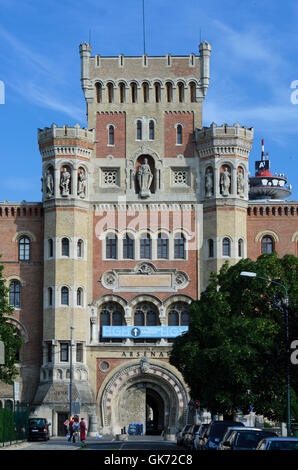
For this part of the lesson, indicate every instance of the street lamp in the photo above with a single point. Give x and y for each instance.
(70, 373)
(251, 274)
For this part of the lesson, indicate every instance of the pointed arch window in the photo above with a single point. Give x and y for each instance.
(240, 247)
(80, 249)
(111, 246)
(145, 247)
(145, 87)
(226, 247)
(192, 92)
(50, 248)
(151, 130)
(133, 92)
(128, 247)
(15, 293)
(162, 246)
(178, 314)
(180, 92)
(157, 92)
(267, 245)
(110, 88)
(179, 134)
(50, 296)
(80, 297)
(111, 135)
(111, 314)
(169, 92)
(65, 247)
(98, 92)
(24, 249)
(122, 92)
(139, 130)
(64, 295)
(179, 246)
(210, 248)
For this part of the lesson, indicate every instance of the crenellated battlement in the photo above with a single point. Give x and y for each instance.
(273, 208)
(66, 132)
(225, 131)
(224, 140)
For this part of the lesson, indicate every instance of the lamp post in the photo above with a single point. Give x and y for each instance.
(70, 373)
(251, 274)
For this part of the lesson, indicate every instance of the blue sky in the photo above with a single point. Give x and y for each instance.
(253, 63)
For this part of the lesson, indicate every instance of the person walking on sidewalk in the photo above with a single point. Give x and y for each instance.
(70, 428)
(76, 428)
(83, 429)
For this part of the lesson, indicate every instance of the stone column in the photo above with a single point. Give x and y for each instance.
(57, 192)
(93, 330)
(234, 182)
(216, 183)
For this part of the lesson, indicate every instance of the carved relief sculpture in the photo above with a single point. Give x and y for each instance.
(225, 182)
(64, 182)
(209, 183)
(144, 176)
(82, 184)
(144, 365)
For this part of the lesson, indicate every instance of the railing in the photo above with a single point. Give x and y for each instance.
(14, 424)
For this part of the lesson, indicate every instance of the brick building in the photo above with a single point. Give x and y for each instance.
(137, 210)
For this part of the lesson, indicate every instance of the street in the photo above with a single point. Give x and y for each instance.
(108, 443)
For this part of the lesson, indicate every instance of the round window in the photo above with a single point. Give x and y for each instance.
(104, 366)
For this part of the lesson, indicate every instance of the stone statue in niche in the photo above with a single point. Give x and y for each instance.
(82, 184)
(145, 177)
(49, 184)
(240, 183)
(209, 183)
(64, 182)
(225, 182)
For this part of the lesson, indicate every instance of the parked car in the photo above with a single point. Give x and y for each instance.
(199, 436)
(180, 434)
(228, 433)
(189, 436)
(215, 432)
(278, 443)
(246, 439)
(38, 429)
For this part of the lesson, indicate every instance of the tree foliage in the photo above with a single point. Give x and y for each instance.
(234, 354)
(8, 334)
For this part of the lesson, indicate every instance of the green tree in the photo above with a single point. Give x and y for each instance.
(234, 354)
(8, 334)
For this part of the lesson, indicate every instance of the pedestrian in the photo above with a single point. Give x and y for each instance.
(70, 428)
(83, 429)
(75, 427)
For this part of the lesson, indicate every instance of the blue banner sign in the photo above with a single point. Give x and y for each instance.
(143, 331)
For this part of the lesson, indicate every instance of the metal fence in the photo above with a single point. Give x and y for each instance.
(14, 424)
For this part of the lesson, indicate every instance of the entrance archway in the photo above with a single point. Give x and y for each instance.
(154, 397)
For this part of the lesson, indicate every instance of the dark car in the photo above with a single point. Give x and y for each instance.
(181, 434)
(229, 432)
(200, 440)
(215, 433)
(38, 429)
(199, 436)
(189, 436)
(247, 439)
(278, 443)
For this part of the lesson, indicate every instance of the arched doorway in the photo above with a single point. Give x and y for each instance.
(155, 412)
(155, 397)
